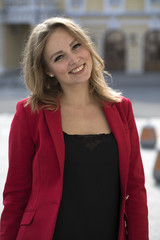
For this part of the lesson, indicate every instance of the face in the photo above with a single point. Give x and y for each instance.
(66, 59)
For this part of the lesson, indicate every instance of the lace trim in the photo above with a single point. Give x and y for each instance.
(90, 141)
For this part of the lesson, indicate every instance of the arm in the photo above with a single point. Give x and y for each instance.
(136, 205)
(19, 179)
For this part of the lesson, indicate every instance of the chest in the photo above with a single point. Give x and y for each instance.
(84, 120)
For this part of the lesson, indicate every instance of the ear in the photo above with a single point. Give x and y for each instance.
(49, 74)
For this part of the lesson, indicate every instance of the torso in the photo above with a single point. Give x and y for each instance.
(84, 120)
(91, 189)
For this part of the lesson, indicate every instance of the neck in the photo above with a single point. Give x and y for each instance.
(77, 96)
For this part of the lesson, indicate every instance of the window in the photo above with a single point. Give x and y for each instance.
(114, 2)
(75, 5)
(114, 5)
(114, 49)
(155, 1)
(153, 5)
(152, 51)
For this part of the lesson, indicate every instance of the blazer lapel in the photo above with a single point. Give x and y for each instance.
(53, 119)
(120, 133)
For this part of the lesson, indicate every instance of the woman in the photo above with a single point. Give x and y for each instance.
(75, 169)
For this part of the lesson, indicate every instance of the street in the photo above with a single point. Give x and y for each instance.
(143, 90)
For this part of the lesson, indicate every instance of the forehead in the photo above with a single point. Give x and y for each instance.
(59, 40)
(59, 37)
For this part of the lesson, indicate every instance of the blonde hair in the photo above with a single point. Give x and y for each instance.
(46, 90)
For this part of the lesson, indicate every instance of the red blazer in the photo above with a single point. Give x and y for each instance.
(33, 188)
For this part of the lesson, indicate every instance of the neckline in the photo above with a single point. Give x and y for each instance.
(87, 135)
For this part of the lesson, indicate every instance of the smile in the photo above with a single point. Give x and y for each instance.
(78, 69)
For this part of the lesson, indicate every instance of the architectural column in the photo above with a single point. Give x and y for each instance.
(134, 58)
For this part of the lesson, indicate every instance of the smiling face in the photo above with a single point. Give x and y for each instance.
(67, 59)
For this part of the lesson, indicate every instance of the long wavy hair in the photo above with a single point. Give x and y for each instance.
(45, 90)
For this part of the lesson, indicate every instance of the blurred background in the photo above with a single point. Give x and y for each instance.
(126, 34)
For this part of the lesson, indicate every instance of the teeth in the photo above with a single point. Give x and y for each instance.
(77, 69)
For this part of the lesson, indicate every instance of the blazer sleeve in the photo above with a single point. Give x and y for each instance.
(18, 183)
(136, 205)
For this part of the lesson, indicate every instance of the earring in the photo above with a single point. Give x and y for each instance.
(51, 75)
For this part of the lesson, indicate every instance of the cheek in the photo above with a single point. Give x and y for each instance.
(59, 69)
(90, 60)
(87, 55)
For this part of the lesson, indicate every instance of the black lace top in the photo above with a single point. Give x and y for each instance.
(91, 192)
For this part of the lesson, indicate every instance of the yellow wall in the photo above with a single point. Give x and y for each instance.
(133, 5)
(1, 4)
(96, 25)
(61, 5)
(94, 5)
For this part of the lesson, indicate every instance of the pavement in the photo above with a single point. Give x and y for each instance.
(144, 92)
(142, 89)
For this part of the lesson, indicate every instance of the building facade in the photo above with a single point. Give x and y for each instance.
(126, 33)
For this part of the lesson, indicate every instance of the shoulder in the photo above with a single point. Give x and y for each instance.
(23, 106)
(124, 107)
(25, 113)
(25, 119)
(124, 103)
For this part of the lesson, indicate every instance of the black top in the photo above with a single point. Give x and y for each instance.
(91, 191)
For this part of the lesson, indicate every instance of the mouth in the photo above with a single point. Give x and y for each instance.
(78, 69)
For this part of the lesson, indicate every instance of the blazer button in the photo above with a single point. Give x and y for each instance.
(127, 196)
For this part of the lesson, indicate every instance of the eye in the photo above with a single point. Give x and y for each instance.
(77, 45)
(58, 58)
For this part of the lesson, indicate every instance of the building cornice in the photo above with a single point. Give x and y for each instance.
(116, 14)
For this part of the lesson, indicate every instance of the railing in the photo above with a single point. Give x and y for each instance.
(28, 11)
(19, 3)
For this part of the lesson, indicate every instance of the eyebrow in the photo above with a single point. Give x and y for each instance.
(59, 52)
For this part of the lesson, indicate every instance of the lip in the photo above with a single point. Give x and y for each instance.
(71, 72)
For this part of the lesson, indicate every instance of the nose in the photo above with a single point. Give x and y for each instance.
(73, 59)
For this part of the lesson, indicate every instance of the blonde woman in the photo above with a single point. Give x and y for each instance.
(75, 169)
